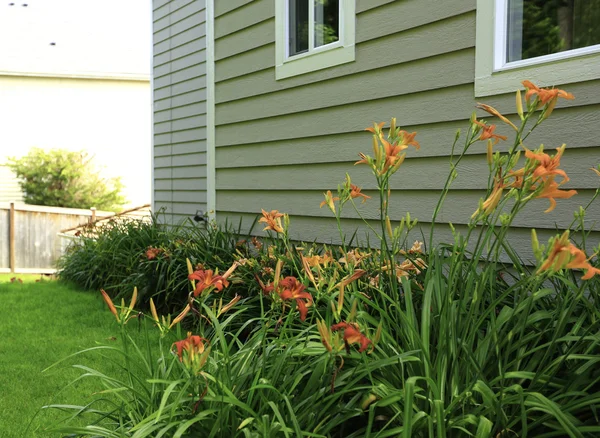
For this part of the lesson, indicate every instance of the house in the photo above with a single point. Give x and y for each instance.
(263, 103)
(75, 75)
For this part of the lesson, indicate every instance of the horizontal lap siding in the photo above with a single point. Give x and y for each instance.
(281, 144)
(179, 67)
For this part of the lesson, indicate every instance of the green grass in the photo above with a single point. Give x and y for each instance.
(42, 323)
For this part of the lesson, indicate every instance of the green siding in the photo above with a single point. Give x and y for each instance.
(179, 67)
(281, 144)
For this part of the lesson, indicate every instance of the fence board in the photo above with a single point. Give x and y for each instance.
(4, 248)
(37, 242)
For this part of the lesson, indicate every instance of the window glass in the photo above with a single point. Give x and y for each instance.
(542, 27)
(327, 14)
(298, 26)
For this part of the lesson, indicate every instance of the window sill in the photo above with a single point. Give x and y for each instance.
(565, 71)
(314, 61)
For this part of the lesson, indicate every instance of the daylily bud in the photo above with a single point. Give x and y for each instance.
(549, 109)
(353, 310)
(368, 400)
(133, 299)
(180, 317)
(277, 273)
(519, 105)
(388, 225)
(375, 146)
(308, 271)
(286, 221)
(398, 163)
(377, 336)
(535, 243)
(340, 302)
(490, 153)
(393, 126)
(110, 304)
(325, 334)
(223, 309)
(153, 310)
(230, 270)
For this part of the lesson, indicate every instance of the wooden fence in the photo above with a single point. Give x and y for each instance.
(29, 235)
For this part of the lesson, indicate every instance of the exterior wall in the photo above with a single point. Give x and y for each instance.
(110, 119)
(281, 144)
(9, 186)
(180, 119)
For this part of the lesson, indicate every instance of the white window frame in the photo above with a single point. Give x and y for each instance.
(317, 58)
(493, 75)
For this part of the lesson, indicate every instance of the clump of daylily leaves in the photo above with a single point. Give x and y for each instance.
(408, 336)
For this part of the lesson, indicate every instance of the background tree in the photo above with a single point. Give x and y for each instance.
(63, 178)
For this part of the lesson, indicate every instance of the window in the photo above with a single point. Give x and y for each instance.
(551, 42)
(313, 35)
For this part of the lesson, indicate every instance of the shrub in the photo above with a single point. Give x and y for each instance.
(388, 341)
(62, 178)
(128, 253)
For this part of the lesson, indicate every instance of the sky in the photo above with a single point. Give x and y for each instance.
(89, 36)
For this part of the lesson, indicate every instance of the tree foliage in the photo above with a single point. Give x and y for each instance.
(63, 178)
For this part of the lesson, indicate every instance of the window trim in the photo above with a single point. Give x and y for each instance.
(493, 76)
(317, 58)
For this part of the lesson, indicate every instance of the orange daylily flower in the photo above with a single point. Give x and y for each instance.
(352, 335)
(547, 165)
(408, 139)
(329, 201)
(152, 253)
(545, 95)
(487, 132)
(565, 255)
(266, 288)
(192, 351)
(551, 190)
(363, 159)
(581, 261)
(190, 343)
(355, 193)
(205, 279)
(292, 289)
(493, 111)
(492, 201)
(273, 220)
(316, 260)
(354, 257)
(376, 127)
(393, 156)
(519, 176)
(257, 243)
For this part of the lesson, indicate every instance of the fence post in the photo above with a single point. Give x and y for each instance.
(93, 218)
(11, 237)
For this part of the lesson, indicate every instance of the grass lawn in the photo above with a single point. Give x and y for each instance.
(42, 323)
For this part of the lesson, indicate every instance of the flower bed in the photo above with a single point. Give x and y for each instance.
(420, 341)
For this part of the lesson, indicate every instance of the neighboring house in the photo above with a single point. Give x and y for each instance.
(250, 112)
(76, 75)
